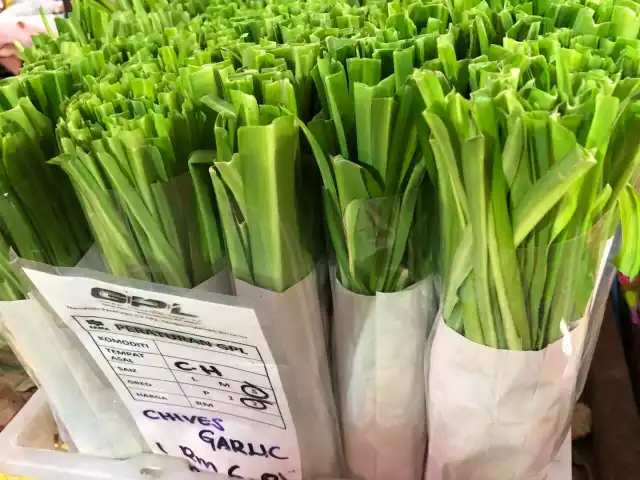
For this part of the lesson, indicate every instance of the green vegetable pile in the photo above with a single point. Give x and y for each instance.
(491, 142)
(528, 205)
(40, 217)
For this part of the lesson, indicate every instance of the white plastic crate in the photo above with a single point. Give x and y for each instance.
(26, 450)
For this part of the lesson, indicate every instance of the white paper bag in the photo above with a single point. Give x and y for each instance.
(498, 414)
(561, 467)
(295, 333)
(221, 282)
(379, 348)
(92, 260)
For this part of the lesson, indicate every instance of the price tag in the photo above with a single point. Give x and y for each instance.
(198, 377)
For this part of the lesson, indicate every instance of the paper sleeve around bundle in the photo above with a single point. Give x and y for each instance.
(92, 259)
(379, 348)
(221, 282)
(498, 413)
(292, 322)
(561, 466)
(596, 308)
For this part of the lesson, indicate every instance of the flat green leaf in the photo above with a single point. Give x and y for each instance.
(231, 174)
(475, 173)
(234, 230)
(369, 227)
(548, 190)
(402, 229)
(119, 249)
(505, 270)
(269, 159)
(163, 256)
(461, 267)
(628, 260)
(352, 181)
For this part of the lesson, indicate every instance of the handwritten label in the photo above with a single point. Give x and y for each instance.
(198, 377)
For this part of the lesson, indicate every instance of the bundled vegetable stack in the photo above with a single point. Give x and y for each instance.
(542, 185)
(530, 172)
(128, 160)
(272, 243)
(486, 146)
(268, 198)
(370, 200)
(132, 136)
(40, 217)
(366, 144)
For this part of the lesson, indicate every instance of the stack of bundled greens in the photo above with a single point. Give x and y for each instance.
(268, 196)
(372, 169)
(525, 195)
(347, 72)
(41, 218)
(188, 129)
(534, 155)
(366, 141)
(264, 184)
(533, 166)
(128, 161)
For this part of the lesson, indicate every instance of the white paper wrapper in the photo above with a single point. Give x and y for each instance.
(92, 260)
(221, 282)
(295, 333)
(498, 414)
(561, 467)
(90, 419)
(379, 347)
(597, 306)
(323, 279)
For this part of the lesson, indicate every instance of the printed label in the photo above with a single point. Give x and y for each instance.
(198, 377)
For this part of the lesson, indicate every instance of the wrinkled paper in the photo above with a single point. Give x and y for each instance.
(379, 348)
(501, 414)
(498, 414)
(561, 466)
(296, 338)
